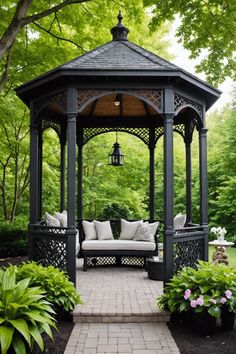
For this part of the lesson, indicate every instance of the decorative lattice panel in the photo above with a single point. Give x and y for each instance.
(51, 252)
(142, 133)
(187, 253)
(158, 133)
(133, 261)
(55, 126)
(180, 101)
(154, 97)
(59, 99)
(100, 261)
(180, 128)
(115, 226)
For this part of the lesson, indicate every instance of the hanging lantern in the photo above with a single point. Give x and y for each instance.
(116, 158)
(117, 100)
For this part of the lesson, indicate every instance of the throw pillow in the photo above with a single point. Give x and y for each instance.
(51, 220)
(144, 233)
(89, 230)
(128, 229)
(179, 221)
(103, 229)
(62, 217)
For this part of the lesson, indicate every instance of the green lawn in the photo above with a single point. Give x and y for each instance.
(231, 255)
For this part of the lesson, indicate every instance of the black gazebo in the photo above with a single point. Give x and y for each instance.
(77, 101)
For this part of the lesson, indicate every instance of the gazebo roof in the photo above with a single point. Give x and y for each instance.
(122, 58)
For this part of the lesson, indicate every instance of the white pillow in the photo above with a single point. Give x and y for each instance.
(103, 229)
(89, 230)
(51, 220)
(146, 232)
(62, 217)
(128, 229)
(179, 221)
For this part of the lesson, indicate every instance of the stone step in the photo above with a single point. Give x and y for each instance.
(85, 316)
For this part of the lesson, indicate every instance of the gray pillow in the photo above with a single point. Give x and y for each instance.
(146, 232)
(51, 220)
(89, 230)
(128, 229)
(179, 221)
(103, 229)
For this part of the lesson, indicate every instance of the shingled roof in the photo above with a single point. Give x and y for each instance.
(122, 55)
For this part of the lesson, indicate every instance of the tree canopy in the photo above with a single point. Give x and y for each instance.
(208, 28)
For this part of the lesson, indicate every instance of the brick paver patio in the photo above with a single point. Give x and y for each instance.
(119, 314)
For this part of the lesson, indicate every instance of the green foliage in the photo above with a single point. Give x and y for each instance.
(13, 239)
(207, 29)
(58, 289)
(207, 284)
(115, 211)
(24, 313)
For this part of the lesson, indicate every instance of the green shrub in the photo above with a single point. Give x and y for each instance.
(59, 290)
(24, 313)
(13, 239)
(115, 211)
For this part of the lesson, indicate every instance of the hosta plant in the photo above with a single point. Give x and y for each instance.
(60, 291)
(25, 314)
(208, 287)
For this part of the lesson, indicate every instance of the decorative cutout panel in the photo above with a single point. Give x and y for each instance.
(187, 253)
(59, 99)
(55, 126)
(51, 252)
(133, 261)
(142, 133)
(180, 101)
(152, 96)
(116, 261)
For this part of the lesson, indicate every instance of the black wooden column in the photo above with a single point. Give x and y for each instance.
(71, 138)
(40, 169)
(203, 187)
(62, 169)
(168, 184)
(80, 174)
(188, 161)
(34, 168)
(152, 173)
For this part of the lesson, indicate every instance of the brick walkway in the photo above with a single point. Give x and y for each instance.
(119, 314)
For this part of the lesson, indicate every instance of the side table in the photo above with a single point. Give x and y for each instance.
(155, 269)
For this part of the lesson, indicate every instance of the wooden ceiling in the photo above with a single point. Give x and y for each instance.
(130, 106)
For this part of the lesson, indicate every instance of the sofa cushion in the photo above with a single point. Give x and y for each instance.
(128, 229)
(103, 229)
(89, 230)
(62, 217)
(179, 221)
(51, 220)
(146, 232)
(128, 245)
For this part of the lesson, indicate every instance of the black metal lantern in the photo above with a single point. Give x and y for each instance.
(116, 158)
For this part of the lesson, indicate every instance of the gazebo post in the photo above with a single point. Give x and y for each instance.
(71, 138)
(203, 187)
(188, 161)
(80, 174)
(152, 173)
(62, 171)
(40, 170)
(168, 184)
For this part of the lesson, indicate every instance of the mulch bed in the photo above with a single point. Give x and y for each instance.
(187, 340)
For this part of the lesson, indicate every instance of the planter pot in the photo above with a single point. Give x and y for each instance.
(185, 317)
(204, 323)
(227, 319)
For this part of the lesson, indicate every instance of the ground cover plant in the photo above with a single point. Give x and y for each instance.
(24, 313)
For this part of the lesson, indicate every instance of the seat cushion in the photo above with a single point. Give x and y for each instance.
(128, 245)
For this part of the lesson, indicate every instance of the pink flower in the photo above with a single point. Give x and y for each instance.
(200, 301)
(228, 294)
(193, 303)
(213, 301)
(187, 294)
(223, 300)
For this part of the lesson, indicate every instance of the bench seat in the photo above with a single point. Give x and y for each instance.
(128, 245)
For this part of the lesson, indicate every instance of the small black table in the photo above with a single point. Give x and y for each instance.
(155, 269)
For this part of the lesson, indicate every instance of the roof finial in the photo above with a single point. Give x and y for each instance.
(119, 32)
(120, 17)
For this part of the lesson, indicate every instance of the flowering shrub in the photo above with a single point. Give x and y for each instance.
(208, 287)
(219, 232)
